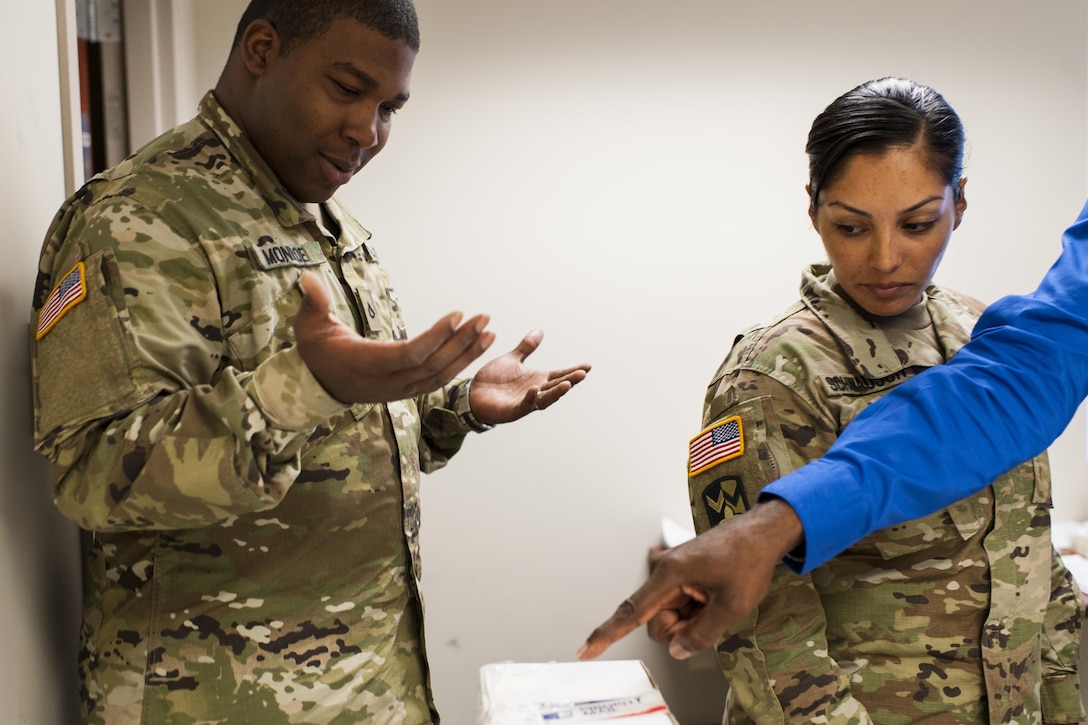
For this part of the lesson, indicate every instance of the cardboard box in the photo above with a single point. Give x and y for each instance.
(562, 693)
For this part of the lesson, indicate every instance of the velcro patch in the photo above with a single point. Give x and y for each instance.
(721, 442)
(266, 254)
(724, 499)
(71, 291)
(850, 384)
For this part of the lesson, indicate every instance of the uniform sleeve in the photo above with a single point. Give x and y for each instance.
(959, 425)
(146, 425)
(1062, 623)
(776, 660)
(444, 426)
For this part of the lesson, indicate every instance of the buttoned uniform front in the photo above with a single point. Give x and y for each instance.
(255, 553)
(965, 615)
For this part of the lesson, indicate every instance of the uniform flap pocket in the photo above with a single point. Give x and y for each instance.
(963, 519)
(730, 462)
(972, 513)
(82, 366)
(1042, 493)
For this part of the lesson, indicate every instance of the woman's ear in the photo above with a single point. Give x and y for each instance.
(961, 202)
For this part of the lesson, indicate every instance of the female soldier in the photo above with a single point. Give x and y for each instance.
(967, 615)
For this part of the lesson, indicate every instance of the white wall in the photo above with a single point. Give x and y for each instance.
(629, 176)
(39, 570)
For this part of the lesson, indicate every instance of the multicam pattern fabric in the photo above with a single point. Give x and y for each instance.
(255, 549)
(967, 615)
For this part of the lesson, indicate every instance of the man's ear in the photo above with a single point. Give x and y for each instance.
(259, 46)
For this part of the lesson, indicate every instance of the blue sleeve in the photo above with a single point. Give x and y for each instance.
(947, 433)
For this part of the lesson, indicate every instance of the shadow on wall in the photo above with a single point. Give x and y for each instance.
(39, 551)
(695, 688)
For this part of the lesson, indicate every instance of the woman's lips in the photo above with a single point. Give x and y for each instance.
(886, 291)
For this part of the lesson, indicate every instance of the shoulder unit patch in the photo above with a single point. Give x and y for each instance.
(724, 499)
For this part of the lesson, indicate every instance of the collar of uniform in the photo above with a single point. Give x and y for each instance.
(289, 211)
(953, 318)
(875, 350)
(352, 234)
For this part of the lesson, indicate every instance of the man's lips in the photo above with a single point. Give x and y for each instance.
(350, 166)
(339, 171)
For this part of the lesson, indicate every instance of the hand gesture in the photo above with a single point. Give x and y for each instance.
(505, 389)
(354, 369)
(701, 588)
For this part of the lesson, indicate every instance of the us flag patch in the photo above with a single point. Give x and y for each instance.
(719, 443)
(71, 290)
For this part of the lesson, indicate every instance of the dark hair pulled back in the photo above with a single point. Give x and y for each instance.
(880, 115)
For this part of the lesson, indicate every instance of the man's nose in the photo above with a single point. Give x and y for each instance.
(361, 127)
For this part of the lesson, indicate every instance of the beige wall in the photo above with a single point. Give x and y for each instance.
(39, 573)
(627, 175)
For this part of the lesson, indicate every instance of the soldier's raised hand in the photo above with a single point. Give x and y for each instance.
(354, 369)
(506, 389)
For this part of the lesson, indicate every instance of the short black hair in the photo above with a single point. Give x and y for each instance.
(297, 21)
(880, 115)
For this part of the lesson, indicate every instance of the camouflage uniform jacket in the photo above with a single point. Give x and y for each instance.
(966, 615)
(255, 555)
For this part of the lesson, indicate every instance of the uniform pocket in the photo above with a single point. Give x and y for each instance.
(731, 461)
(274, 301)
(83, 363)
(1041, 492)
(963, 519)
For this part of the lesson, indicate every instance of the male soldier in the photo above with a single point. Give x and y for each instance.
(251, 475)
